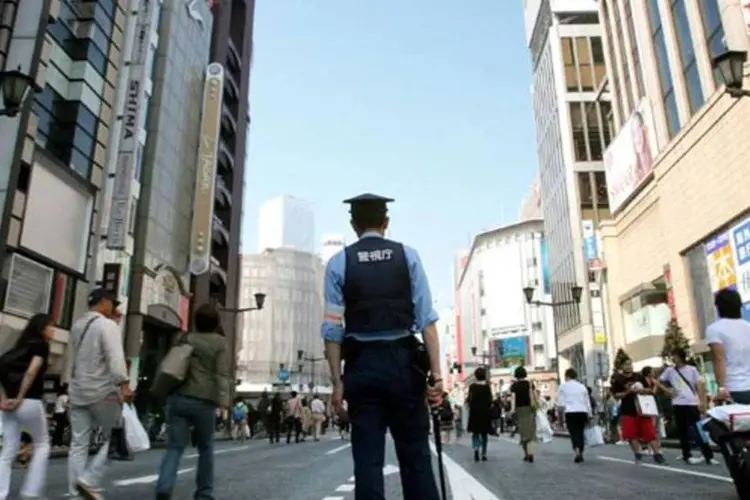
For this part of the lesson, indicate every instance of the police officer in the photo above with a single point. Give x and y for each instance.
(377, 296)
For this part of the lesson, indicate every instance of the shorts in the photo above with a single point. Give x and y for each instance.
(637, 428)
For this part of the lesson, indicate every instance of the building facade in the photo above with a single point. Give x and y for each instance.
(680, 226)
(331, 245)
(531, 205)
(289, 321)
(496, 320)
(54, 154)
(572, 118)
(286, 222)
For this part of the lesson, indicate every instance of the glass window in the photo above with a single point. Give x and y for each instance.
(687, 55)
(597, 54)
(634, 54)
(85, 50)
(594, 132)
(585, 66)
(607, 121)
(625, 91)
(80, 163)
(673, 116)
(714, 30)
(63, 299)
(602, 197)
(569, 61)
(615, 83)
(579, 131)
(662, 62)
(83, 141)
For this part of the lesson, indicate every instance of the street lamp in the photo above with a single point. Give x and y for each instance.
(15, 87)
(576, 292)
(312, 360)
(260, 299)
(731, 68)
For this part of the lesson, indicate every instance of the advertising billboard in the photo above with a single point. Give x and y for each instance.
(509, 352)
(728, 259)
(544, 254)
(205, 173)
(629, 159)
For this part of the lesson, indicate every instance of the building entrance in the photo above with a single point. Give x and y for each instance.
(157, 338)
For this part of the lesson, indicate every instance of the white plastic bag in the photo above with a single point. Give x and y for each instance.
(593, 436)
(662, 429)
(734, 416)
(135, 434)
(544, 432)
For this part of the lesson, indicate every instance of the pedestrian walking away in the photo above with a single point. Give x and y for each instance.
(479, 401)
(573, 397)
(376, 298)
(523, 407)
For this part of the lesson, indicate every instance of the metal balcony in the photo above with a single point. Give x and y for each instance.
(218, 273)
(222, 193)
(231, 89)
(219, 233)
(226, 158)
(228, 122)
(234, 61)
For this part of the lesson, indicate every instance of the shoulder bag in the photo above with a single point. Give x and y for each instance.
(684, 378)
(174, 369)
(80, 343)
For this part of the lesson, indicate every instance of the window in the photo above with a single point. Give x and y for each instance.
(687, 55)
(579, 131)
(569, 61)
(711, 17)
(634, 54)
(594, 132)
(615, 83)
(29, 286)
(63, 298)
(588, 128)
(625, 91)
(597, 54)
(662, 62)
(583, 52)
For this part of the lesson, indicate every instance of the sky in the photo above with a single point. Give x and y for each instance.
(424, 102)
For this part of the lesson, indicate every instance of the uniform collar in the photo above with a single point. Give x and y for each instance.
(370, 234)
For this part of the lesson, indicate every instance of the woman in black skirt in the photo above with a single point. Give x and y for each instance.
(480, 413)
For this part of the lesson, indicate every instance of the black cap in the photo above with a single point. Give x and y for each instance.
(369, 201)
(99, 294)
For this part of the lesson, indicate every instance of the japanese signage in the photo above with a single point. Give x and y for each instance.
(205, 173)
(130, 147)
(728, 259)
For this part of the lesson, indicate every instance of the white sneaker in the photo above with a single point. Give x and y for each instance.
(694, 460)
(713, 461)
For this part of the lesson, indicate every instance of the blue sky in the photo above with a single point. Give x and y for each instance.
(425, 102)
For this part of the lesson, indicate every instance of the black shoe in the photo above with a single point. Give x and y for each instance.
(163, 496)
(476, 455)
(578, 459)
(638, 457)
(484, 458)
(531, 459)
(659, 459)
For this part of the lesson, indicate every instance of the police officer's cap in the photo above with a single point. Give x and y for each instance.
(368, 202)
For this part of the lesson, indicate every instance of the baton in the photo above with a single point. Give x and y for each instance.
(435, 412)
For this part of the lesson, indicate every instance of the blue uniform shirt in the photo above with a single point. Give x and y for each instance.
(333, 321)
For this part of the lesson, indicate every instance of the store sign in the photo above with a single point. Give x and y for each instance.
(205, 172)
(129, 151)
(629, 158)
(728, 259)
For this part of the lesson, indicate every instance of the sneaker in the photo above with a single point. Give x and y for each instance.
(692, 460)
(638, 457)
(87, 491)
(659, 459)
(712, 461)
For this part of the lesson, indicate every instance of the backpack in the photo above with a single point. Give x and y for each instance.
(239, 412)
(13, 365)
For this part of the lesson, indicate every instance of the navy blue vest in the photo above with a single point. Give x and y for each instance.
(377, 287)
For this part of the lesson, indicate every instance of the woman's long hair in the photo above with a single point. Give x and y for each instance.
(34, 329)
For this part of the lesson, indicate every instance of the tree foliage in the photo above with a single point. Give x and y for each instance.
(620, 358)
(674, 338)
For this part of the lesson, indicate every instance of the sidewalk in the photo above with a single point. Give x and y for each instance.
(665, 443)
(62, 451)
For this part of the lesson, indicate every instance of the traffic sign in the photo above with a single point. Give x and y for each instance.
(283, 374)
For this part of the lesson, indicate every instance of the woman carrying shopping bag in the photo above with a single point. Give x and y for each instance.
(194, 403)
(573, 397)
(21, 390)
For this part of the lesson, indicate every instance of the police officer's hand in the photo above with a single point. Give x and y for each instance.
(435, 392)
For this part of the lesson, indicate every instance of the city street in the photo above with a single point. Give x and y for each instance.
(323, 471)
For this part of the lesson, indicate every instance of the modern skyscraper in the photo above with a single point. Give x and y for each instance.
(286, 222)
(332, 244)
(289, 321)
(573, 119)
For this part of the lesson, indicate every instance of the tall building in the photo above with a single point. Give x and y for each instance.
(332, 244)
(289, 321)
(496, 320)
(573, 121)
(531, 205)
(53, 155)
(676, 171)
(286, 222)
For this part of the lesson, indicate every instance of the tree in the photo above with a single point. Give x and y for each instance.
(620, 358)
(674, 338)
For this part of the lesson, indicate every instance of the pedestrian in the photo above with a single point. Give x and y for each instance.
(479, 401)
(21, 391)
(318, 416)
(688, 397)
(275, 418)
(376, 297)
(523, 408)
(98, 384)
(194, 403)
(729, 340)
(293, 418)
(575, 400)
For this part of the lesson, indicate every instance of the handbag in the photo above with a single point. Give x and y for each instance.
(173, 370)
(647, 406)
(593, 436)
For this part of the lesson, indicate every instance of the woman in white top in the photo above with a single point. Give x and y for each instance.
(574, 398)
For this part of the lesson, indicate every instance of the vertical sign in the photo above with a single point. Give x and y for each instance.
(129, 154)
(205, 173)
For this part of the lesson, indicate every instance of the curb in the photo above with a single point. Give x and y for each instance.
(670, 444)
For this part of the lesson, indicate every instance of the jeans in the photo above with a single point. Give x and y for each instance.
(686, 420)
(182, 413)
(576, 424)
(84, 419)
(30, 414)
(741, 397)
(479, 442)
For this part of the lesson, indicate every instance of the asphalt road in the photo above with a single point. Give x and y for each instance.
(323, 470)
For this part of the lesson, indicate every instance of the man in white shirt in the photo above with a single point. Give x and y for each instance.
(729, 340)
(293, 418)
(574, 398)
(318, 409)
(688, 403)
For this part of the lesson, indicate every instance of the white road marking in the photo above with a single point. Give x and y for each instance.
(340, 448)
(333, 498)
(390, 469)
(695, 473)
(219, 452)
(146, 479)
(345, 487)
(463, 485)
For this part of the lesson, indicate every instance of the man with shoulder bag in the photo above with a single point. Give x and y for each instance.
(688, 404)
